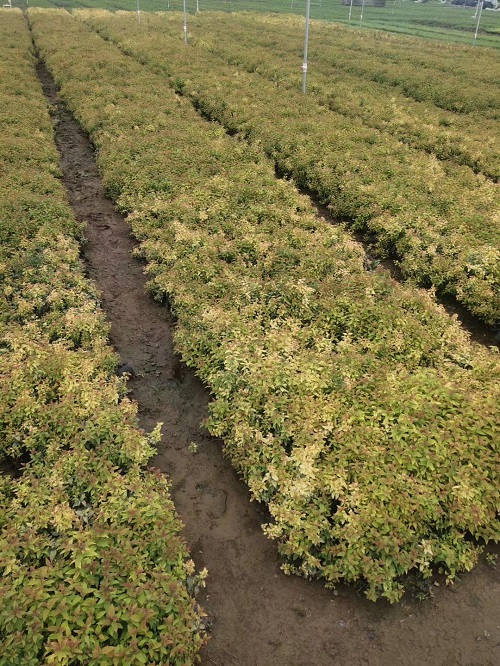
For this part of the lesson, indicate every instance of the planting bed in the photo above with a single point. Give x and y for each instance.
(352, 406)
(278, 315)
(93, 570)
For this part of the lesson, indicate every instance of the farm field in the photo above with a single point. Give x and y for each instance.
(360, 415)
(437, 218)
(280, 318)
(432, 20)
(92, 566)
(382, 82)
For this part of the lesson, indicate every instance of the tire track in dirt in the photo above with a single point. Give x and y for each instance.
(257, 615)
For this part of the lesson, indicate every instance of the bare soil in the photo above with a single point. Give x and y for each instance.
(257, 615)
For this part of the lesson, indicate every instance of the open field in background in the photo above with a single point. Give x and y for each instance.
(353, 406)
(432, 20)
(92, 567)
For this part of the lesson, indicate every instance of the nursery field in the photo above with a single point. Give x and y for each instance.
(93, 569)
(360, 415)
(417, 178)
(353, 406)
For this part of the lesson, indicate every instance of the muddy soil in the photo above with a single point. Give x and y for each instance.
(257, 615)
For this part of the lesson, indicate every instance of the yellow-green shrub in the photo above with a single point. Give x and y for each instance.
(355, 407)
(92, 567)
(340, 76)
(438, 219)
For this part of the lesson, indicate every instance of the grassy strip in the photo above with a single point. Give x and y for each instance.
(93, 570)
(273, 48)
(354, 407)
(438, 219)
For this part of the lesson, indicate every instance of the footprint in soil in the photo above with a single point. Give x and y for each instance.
(214, 500)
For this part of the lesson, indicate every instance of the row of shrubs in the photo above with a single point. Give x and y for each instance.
(272, 47)
(93, 570)
(439, 220)
(456, 77)
(354, 407)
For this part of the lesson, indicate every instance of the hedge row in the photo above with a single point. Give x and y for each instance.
(456, 77)
(438, 219)
(274, 48)
(93, 570)
(353, 406)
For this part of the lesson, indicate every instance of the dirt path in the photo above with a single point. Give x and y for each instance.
(258, 616)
